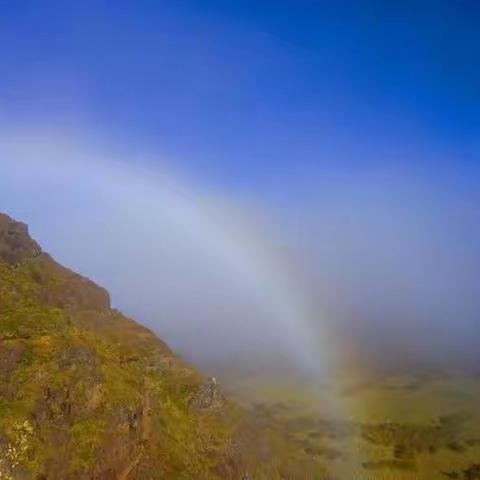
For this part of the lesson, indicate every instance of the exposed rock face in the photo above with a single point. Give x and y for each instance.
(15, 243)
(87, 393)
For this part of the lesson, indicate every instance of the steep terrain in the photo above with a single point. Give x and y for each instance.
(87, 393)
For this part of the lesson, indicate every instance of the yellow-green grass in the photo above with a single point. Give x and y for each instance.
(402, 427)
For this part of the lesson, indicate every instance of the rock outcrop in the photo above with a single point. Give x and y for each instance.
(15, 242)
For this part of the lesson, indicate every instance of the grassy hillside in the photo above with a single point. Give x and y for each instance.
(87, 393)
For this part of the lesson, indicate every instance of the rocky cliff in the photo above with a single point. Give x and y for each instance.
(87, 393)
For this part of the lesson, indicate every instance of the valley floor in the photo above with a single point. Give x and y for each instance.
(404, 427)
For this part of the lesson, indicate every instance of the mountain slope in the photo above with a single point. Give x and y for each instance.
(87, 393)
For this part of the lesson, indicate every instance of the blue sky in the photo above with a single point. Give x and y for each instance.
(341, 138)
(244, 90)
